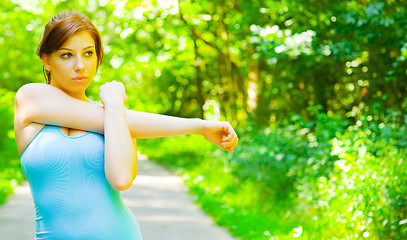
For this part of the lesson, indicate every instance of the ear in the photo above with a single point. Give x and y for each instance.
(45, 61)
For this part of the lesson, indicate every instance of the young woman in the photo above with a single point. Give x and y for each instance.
(78, 155)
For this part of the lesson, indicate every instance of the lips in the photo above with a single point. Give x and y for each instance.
(79, 78)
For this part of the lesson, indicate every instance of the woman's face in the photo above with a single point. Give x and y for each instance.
(74, 65)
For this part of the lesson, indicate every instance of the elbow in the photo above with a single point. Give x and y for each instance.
(121, 187)
(121, 184)
(121, 179)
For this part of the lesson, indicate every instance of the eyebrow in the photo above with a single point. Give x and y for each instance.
(82, 49)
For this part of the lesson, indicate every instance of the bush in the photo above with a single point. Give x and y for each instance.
(320, 179)
(365, 194)
(11, 173)
(6, 119)
(10, 178)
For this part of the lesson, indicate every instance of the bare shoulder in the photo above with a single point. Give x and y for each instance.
(25, 130)
(34, 89)
(28, 98)
(33, 96)
(23, 99)
(29, 87)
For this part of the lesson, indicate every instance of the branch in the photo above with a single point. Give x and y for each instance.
(196, 33)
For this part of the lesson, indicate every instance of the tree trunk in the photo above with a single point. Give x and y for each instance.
(198, 78)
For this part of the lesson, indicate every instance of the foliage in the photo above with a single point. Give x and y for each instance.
(11, 176)
(6, 121)
(11, 173)
(254, 59)
(339, 182)
(317, 89)
(366, 190)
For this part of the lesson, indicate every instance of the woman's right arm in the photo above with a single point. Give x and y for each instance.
(45, 104)
(42, 103)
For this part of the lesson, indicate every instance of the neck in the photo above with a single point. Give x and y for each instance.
(81, 96)
(77, 95)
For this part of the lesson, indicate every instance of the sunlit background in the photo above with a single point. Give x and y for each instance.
(316, 90)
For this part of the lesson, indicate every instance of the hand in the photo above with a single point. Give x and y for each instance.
(220, 133)
(112, 93)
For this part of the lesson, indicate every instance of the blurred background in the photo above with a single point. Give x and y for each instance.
(315, 89)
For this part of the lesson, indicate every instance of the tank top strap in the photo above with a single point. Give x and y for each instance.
(96, 103)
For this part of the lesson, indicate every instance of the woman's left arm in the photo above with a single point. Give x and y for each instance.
(120, 125)
(152, 125)
(121, 164)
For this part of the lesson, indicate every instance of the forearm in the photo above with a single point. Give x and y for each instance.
(66, 111)
(45, 104)
(151, 125)
(120, 153)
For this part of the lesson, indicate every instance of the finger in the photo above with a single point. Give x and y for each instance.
(232, 142)
(227, 138)
(227, 128)
(230, 149)
(235, 141)
(232, 133)
(231, 130)
(230, 137)
(226, 148)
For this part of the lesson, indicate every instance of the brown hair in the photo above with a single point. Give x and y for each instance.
(63, 26)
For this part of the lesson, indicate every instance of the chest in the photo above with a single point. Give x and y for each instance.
(54, 151)
(72, 132)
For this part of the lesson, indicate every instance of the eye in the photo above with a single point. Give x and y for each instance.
(89, 53)
(66, 55)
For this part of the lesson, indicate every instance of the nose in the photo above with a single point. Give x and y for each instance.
(79, 66)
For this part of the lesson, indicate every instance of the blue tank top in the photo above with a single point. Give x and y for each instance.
(72, 197)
